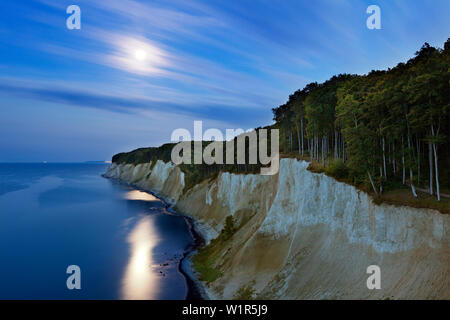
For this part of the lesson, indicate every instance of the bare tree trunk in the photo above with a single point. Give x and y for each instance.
(338, 144)
(286, 138)
(290, 139)
(343, 149)
(430, 163)
(403, 162)
(437, 172)
(413, 189)
(298, 137)
(384, 160)
(317, 148)
(418, 160)
(389, 154)
(314, 147)
(381, 187)
(335, 144)
(373, 185)
(394, 160)
(436, 166)
(301, 125)
(323, 151)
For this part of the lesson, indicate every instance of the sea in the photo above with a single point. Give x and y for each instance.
(66, 232)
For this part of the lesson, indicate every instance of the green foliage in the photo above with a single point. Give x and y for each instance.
(205, 259)
(245, 293)
(145, 155)
(338, 169)
(204, 267)
(229, 228)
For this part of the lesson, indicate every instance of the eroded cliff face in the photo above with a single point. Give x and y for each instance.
(306, 236)
(164, 179)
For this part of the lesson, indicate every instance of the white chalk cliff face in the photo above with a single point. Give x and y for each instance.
(306, 236)
(162, 178)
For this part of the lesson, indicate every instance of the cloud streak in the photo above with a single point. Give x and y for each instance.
(160, 63)
(122, 104)
(179, 34)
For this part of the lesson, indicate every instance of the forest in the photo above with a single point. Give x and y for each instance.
(385, 129)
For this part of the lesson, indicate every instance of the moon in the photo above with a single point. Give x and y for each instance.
(140, 55)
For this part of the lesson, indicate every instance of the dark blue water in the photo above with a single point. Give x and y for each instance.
(125, 242)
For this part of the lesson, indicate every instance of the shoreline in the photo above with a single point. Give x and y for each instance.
(195, 289)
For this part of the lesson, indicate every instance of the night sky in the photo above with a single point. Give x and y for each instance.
(136, 70)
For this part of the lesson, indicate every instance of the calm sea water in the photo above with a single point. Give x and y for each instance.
(54, 215)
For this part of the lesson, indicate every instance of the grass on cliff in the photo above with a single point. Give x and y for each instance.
(424, 200)
(205, 259)
(394, 192)
(245, 293)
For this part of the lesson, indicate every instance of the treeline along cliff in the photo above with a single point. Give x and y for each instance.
(387, 127)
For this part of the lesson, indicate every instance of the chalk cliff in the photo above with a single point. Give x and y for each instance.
(303, 235)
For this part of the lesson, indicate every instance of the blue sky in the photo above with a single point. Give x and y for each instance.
(137, 70)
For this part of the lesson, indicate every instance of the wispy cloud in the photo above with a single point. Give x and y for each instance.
(121, 104)
(159, 31)
(162, 62)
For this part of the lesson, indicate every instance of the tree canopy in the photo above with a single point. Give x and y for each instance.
(386, 126)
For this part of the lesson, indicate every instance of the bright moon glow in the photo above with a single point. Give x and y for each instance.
(140, 55)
